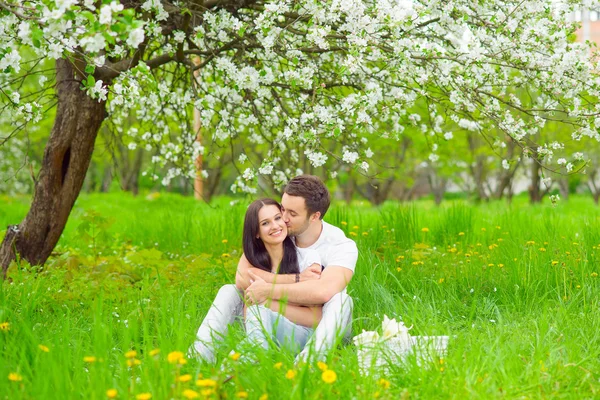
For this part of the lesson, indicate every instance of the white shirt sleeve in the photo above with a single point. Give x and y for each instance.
(343, 255)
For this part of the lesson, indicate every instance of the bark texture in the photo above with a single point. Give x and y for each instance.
(66, 160)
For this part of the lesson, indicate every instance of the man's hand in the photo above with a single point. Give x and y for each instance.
(311, 273)
(258, 291)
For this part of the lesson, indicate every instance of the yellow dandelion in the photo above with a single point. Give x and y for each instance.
(442, 361)
(131, 354)
(442, 369)
(554, 263)
(278, 365)
(185, 378)
(490, 265)
(143, 396)
(384, 383)
(398, 269)
(441, 280)
(355, 227)
(329, 376)
(344, 223)
(14, 377)
(497, 227)
(542, 249)
(365, 233)
(111, 393)
(209, 383)
(89, 359)
(500, 265)
(594, 274)
(425, 230)
(154, 352)
(207, 392)
(483, 229)
(461, 234)
(322, 366)
(174, 357)
(190, 394)
(224, 241)
(290, 374)
(132, 362)
(467, 255)
(43, 348)
(399, 258)
(225, 255)
(235, 356)
(578, 286)
(182, 361)
(353, 234)
(5, 326)
(568, 253)
(264, 397)
(242, 395)
(530, 242)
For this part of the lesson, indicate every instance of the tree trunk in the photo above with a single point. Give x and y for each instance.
(535, 193)
(66, 160)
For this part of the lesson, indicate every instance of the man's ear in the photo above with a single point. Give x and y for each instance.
(315, 217)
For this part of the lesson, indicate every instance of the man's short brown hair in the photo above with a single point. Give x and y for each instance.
(312, 190)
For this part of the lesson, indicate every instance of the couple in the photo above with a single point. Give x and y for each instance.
(290, 285)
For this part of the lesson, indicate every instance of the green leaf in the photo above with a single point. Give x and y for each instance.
(91, 81)
(89, 69)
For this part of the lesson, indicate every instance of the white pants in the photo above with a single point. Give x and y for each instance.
(336, 323)
(265, 326)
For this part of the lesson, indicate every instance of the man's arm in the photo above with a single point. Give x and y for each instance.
(333, 280)
(242, 279)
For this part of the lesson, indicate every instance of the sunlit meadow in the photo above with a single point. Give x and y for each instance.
(112, 313)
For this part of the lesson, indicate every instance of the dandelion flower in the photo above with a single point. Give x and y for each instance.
(322, 366)
(154, 352)
(329, 376)
(290, 374)
(365, 233)
(235, 356)
(111, 393)
(242, 395)
(353, 234)
(278, 365)
(190, 394)
(207, 392)
(174, 357)
(89, 359)
(14, 377)
(594, 274)
(264, 397)
(224, 241)
(208, 383)
(5, 326)
(185, 378)
(384, 383)
(355, 227)
(225, 255)
(344, 223)
(425, 230)
(461, 234)
(143, 396)
(43, 348)
(132, 362)
(131, 354)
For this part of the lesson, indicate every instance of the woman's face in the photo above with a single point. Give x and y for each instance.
(271, 228)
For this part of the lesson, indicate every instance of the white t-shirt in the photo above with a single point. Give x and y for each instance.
(307, 257)
(334, 248)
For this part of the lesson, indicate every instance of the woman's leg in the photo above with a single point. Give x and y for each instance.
(289, 334)
(259, 325)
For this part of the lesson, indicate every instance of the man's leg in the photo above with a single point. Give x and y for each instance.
(336, 323)
(226, 307)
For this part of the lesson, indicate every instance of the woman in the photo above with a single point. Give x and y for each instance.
(268, 247)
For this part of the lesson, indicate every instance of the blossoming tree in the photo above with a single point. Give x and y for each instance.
(299, 75)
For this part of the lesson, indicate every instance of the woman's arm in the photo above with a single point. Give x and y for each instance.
(301, 315)
(242, 280)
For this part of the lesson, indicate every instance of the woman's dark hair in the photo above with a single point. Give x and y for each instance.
(254, 248)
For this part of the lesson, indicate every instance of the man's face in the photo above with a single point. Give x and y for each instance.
(295, 214)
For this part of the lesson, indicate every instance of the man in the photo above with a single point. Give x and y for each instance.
(305, 202)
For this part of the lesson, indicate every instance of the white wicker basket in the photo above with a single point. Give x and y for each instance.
(376, 358)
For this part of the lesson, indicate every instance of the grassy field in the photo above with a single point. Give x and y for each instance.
(516, 286)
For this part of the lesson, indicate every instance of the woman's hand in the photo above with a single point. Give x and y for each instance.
(258, 291)
(311, 273)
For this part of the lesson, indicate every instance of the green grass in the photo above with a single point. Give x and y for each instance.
(516, 286)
